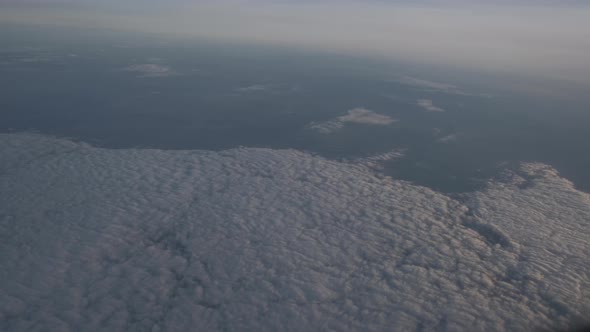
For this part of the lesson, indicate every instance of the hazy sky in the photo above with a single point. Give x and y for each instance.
(550, 38)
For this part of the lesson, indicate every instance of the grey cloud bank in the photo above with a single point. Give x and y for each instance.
(261, 239)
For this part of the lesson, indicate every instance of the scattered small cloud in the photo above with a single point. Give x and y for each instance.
(425, 84)
(253, 88)
(269, 88)
(151, 70)
(428, 105)
(365, 116)
(448, 138)
(326, 127)
(438, 87)
(357, 115)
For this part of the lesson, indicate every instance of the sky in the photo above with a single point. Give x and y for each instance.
(544, 38)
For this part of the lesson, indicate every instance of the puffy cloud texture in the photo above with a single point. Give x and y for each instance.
(260, 239)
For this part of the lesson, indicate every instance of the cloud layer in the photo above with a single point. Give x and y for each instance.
(260, 239)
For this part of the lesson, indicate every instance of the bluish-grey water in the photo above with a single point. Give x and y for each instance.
(114, 90)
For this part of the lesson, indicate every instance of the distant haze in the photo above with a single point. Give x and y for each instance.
(545, 38)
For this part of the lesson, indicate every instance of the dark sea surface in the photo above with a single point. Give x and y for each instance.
(120, 90)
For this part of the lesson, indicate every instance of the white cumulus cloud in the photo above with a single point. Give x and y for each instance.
(356, 115)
